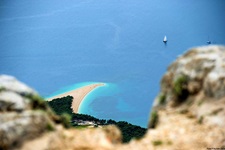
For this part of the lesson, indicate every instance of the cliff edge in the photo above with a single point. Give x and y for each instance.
(189, 111)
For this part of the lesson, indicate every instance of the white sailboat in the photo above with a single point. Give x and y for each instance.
(165, 39)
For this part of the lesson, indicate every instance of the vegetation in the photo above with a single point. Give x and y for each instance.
(37, 102)
(200, 120)
(2, 89)
(130, 131)
(180, 88)
(84, 117)
(80, 127)
(215, 112)
(66, 120)
(157, 143)
(162, 99)
(50, 127)
(62, 106)
(154, 119)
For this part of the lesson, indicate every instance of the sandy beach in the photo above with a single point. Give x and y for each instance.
(78, 95)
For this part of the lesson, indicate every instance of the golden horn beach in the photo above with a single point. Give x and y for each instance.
(78, 95)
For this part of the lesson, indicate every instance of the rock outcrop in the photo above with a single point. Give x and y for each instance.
(73, 139)
(26, 121)
(199, 69)
(19, 114)
(189, 112)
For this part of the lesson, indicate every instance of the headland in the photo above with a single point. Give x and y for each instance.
(78, 95)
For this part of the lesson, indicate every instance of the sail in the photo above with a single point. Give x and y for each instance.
(165, 39)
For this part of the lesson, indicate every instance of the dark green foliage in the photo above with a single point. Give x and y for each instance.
(162, 99)
(180, 88)
(178, 84)
(102, 121)
(130, 131)
(36, 101)
(62, 105)
(110, 121)
(153, 119)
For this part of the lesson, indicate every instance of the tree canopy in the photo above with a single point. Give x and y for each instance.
(62, 106)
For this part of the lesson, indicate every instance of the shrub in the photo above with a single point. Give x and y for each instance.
(37, 102)
(130, 131)
(162, 99)
(50, 127)
(180, 88)
(154, 119)
(65, 120)
(157, 143)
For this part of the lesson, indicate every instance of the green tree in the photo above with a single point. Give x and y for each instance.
(62, 105)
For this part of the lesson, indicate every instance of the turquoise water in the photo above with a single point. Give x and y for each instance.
(109, 89)
(69, 88)
(55, 44)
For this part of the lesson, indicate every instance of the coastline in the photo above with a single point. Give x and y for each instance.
(78, 95)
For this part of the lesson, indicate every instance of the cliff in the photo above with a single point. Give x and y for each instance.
(27, 123)
(188, 112)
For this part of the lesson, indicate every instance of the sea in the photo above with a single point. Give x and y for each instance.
(55, 46)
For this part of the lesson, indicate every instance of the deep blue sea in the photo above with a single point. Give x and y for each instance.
(53, 45)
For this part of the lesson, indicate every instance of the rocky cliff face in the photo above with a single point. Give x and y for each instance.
(188, 113)
(27, 123)
(190, 108)
(195, 84)
(199, 69)
(18, 116)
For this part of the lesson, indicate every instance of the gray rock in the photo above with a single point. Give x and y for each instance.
(10, 83)
(202, 68)
(23, 114)
(11, 101)
(16, 128)
(194, 85)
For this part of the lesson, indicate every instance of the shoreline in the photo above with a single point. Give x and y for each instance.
(78, 95)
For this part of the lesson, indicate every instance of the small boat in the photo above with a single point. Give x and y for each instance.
(208, 42)
(165, 39)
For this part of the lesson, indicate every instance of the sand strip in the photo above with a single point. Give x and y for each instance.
(78, 95)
